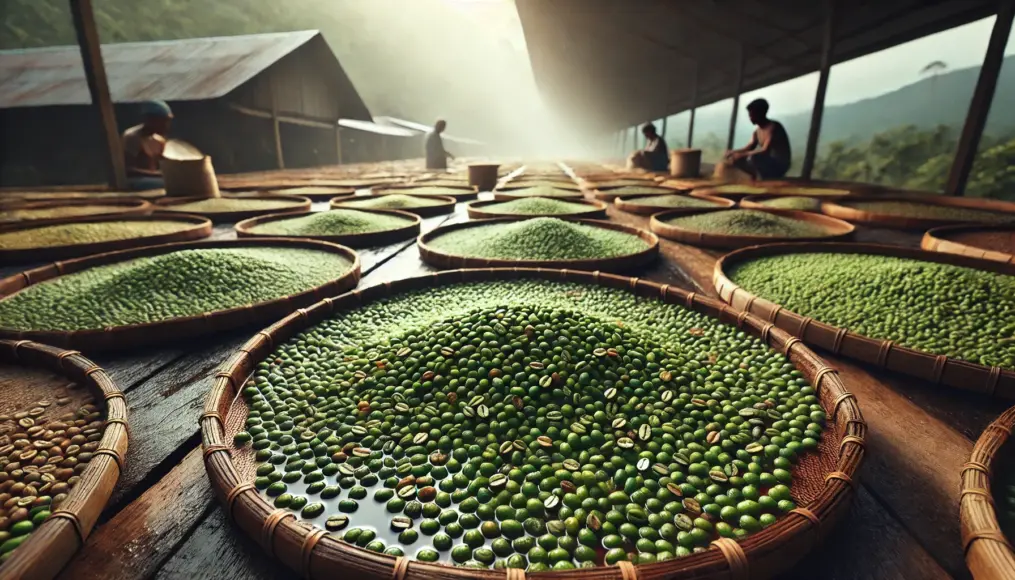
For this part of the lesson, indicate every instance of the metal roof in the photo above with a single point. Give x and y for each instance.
(171, 70)
(607, 64)
(371, 127)
(420, 127)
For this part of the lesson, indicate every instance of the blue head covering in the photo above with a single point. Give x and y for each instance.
(156, 109)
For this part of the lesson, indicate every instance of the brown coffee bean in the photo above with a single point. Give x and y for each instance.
(30, 490)
(5, 522)
(12, 502)
(26, 422)
(84, 457)
(18, 515)
(20, 415)
(90, 446)
(32, 477)
(17, 488)
(78, 439)
(72, 431)
(45, 489)
(27, 454)
(36, 411)
(73, 449)
(62, 400)
(73, 480)
(63, 474)
(59, 488)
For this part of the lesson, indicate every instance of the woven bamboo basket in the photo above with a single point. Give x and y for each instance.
(478, 210)
(989, 553)
(296, 204)
(823, 482)
(738, 192)
(515, 185)
(315, 192)
(446, 205)
(244, 229)
(616, 264)
(166, 331)
(117, 206)
(55, 541)
(611, 194)
(198, 228)
(598, 189)
(943, 240)
(938, 369)
(843, 211)
(626, 204)
(757, 201)
(837, 229)
(463, 193)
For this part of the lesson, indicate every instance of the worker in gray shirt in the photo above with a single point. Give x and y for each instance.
(436, 155)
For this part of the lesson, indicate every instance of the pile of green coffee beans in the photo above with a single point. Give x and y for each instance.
(87, 233)
(543, 191)
(42, 213)
(393, 201)
(537, 206)
(631, 190)
(749, 222)
(529, 424)
(336, 222)
(623, 183)
(231, 204)
(538, 239)
(434, 190)
(42, 456)
(938, 308)
(671, 200)
(173, 285)
(797, 202)
(915, 209)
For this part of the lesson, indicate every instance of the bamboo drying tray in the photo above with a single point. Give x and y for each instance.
(231, 183)
(596, 209)
(854, 187)
(610, 193)
(244, 229)
(937, 240)
(989, 553)
(687, 184)
(55, 541)
(938, 369)
(466, 193)
(315, 192)
(824, 482)
(738, 192)
(837, 229)
(624, 204)
(512, 194)
(515, 185)
(446, 205)
(199, 228)
(299, 204)
(757, 201)
(845, 212)
(150, 333)
(615, 264)
(123, 207)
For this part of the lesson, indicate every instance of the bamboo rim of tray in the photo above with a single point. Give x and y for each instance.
(729, 191)
(53, 543)
(757, 201)
(466, 193)
(837, 229)
(446, 205)
(515, 185)
(873, 218)
(199, 228)
(513, 194)
(936, 240)
(150, 333)
(128, 206)
(624, 204)
(615, 264)
(317, 554)
(596, 209)
(244, 229)
(611, 193)
(314, 192)
(296, 204)
(689, 184)
(989, 553)
(938, 369)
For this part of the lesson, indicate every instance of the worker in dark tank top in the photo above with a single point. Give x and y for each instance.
(768, 154)
(436, 155)
(655, 156)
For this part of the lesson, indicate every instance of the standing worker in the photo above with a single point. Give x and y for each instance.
(144, 144)
(436, 155)
(768, 155)
(655, 156)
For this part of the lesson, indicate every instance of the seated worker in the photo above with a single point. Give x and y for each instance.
(655, 156)
(436, 155)
(143, 146)
(768, 154)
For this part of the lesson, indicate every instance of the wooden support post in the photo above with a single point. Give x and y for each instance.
(736, 98)
(694, 104)
(338, 143)
(818, 111)
(98, 87)
(279, 158)
(983, 96)
(663, 134)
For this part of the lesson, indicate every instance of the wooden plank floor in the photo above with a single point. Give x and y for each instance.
(163, 522)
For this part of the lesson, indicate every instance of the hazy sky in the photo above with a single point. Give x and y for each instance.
(885, 71)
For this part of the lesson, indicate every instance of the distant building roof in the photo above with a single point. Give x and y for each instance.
(171, 70)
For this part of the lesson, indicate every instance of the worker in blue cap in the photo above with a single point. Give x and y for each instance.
(143, 146)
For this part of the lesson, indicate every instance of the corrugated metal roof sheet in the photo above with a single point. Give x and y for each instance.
(171, 70)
